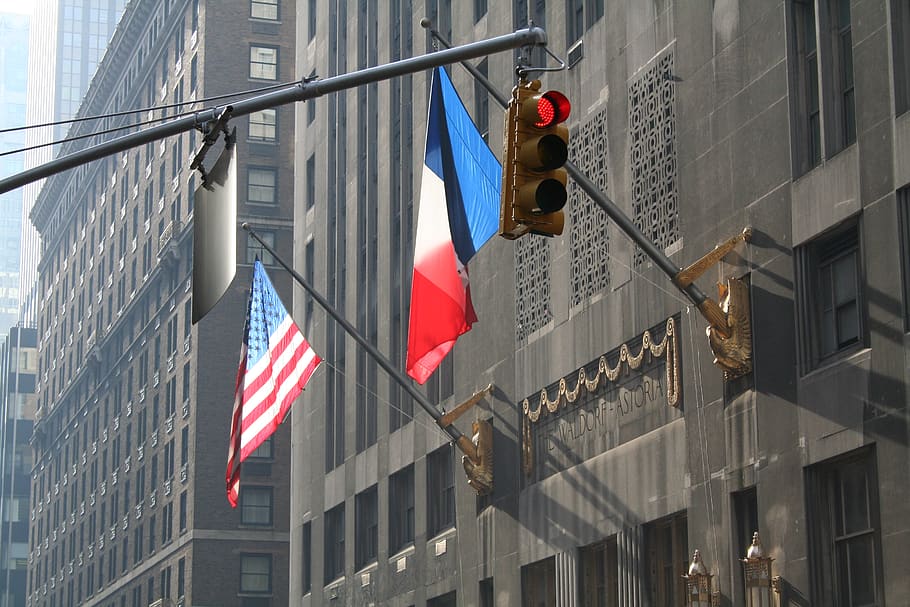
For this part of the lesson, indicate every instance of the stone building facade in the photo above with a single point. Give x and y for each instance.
(698, 119)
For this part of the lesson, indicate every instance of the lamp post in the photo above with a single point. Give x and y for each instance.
(757, 575)
(698, 583)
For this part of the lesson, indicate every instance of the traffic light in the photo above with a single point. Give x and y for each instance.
(535, 144)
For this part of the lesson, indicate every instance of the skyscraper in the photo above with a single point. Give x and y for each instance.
(135, 401)
(68, 39)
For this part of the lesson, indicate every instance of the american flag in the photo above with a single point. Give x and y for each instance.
(276, 362)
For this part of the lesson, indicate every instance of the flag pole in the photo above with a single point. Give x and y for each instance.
(706, 306)
(460, 439)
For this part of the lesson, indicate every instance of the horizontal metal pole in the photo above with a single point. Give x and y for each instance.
(300, 91)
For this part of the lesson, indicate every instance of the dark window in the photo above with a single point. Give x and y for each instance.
(482, 104)
(598, 575)
(254, 249)
(830, 294)
(441, 384)
(181, 578)
(903, 213)
(440, 490)
(804, 81)
(401, 509)
(366, 526)
(256, 573)
(306, 548)
(264, 9)
(900, 30)
(264, 451)
(256, 505)
(666, 555)
(841, 40)
(311, 181)
(264, 62)
(183, 512)
(480, 9)
(334, 543)
(844, 540)
(262, 185)
(486, 593)
(445, 600)
(263, 125)
(538, 583)
(745, 523)
(821, 79)
(311, 19)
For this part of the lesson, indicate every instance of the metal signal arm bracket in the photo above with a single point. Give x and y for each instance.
(477, 450)
(709, 308)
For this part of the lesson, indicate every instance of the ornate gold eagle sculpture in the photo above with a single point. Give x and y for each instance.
(480, 468)
(734, 353)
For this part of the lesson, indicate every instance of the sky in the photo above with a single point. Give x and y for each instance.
(17, 6)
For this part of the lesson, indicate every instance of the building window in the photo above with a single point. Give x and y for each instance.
(598, 574)
(440, 490)
(366, 526)
(446, 600)
(538, 583)
(486, 593)
(264, 62)
(254, 249)
(334, 543)
(823, 105)
(311, 182)
(265, 450)
(311, 20)
(255, 573)
(830, 301)
(401, 509)
(263, 125)
(441, 384)
(580, 16)
(807, 115)
(745, 523)
(666, 554)
(264, 9)
(262, 185)
(900, 30)
(844, 541)
(256, 505)
(903, 213)
(480, 9)
(306, 548)
(482, 104)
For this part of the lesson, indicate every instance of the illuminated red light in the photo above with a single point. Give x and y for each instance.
(552, 108)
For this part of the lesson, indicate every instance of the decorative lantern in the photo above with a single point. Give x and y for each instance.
(698, 583)
(757, 575)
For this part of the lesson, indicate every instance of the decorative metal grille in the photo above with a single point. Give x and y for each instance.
(590, 241)
(532, 285)
(652, 136)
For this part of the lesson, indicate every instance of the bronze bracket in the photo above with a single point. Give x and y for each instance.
(465, 445)
(709, 308)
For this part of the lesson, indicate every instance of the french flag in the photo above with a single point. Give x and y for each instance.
(458, 213)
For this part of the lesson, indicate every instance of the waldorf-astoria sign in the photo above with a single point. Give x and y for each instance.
(624, 394)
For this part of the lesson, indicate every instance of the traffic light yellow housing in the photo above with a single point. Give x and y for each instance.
(535, 144)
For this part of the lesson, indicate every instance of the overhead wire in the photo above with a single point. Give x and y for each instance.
(129, 113)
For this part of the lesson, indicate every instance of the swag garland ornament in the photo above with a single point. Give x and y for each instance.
(667, 348)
